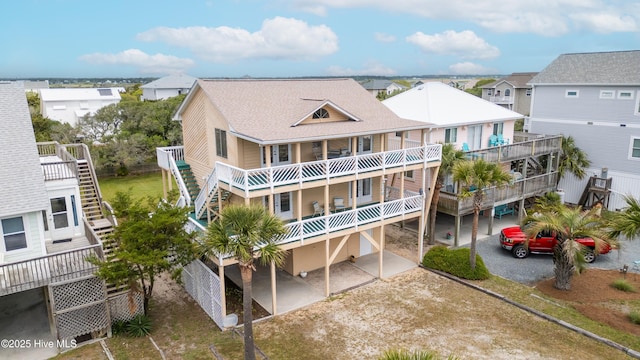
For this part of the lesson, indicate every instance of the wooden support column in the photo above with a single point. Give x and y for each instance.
(298, 192)
(267, 161)
(490, 229)
(381, 253)
(327, 268)
(223, 302)
(164, 183)
(456, 240)
(274, 306)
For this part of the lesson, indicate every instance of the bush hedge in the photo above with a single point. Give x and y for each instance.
(455, 262)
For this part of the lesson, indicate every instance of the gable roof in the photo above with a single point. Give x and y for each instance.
(379, 84)
(23, 188)
(442, 105)
(322, 105)
(171, 82)
(76, 94)
(517, 80)
(264, 111)
(602, 68)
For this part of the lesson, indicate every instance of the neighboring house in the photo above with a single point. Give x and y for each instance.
(314, 152)
(595, 98)
(486, 131)
(377, 86)
(167, 87)
(51, 220)
(69, 105)
(33, 85)
(512, 92)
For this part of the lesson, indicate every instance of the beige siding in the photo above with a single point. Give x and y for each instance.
(312, 257)
(194, 128)
(334, 116)
(250, 154)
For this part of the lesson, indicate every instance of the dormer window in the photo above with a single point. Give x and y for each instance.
(321, 114)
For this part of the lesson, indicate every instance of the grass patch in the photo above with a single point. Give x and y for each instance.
(141, 186)
(623, 285)
(634, 316)
(413, 355)
(455, 262)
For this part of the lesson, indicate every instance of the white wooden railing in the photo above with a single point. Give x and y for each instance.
(167, 157)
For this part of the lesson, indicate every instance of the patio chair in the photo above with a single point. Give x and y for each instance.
(338, 204)
(493, 140)
(317, 209)
(465, 147)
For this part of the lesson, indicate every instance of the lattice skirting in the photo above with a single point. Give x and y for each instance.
(125, 306)
(204, 287)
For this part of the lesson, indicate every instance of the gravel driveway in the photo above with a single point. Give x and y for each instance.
(537, 267)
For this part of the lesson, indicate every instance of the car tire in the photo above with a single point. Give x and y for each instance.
(520, 251)
(589, 255)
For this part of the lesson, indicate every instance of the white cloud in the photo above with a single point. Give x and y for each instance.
(468, 68)
(382, 37)
(279, 38)
(543, 17)
(147, 64)
(605, 22)
(370, 68)
(465, 44)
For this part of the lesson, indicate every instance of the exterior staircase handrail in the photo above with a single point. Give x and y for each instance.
(182, 187)
(210, 185)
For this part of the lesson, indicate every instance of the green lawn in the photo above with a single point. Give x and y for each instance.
(141, 186)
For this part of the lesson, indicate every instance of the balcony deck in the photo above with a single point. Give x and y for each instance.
(67, 263)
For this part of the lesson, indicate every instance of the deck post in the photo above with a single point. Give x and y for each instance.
(327, 289)
(274, 305)
(456, 239)
(223, 302)
(381, 252)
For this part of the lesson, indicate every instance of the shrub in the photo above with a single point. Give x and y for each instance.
(455, 262)
(623, 285)
(411, 355)
(119, 327)
(139, 326)
(634, 316)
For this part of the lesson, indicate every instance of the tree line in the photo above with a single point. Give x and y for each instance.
(119, 135)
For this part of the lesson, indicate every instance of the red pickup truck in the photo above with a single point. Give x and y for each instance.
(513, 239)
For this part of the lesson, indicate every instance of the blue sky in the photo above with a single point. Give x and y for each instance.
(283, 38)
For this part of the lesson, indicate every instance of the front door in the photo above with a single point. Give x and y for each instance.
(474, 137)
(282, 205)
(364, 191)
(365, 245)
(279, 155)
(64, 217)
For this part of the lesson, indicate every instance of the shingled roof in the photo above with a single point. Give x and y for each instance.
(22, 187)
(517, 80)
(270, 111)
(601, 68)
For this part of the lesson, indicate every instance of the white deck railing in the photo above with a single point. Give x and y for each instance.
(167, 158)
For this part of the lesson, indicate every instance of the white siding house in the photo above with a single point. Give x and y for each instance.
(166, 87)
(595, 98)
(69, 105)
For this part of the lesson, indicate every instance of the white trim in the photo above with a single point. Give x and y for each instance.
(630, 97)
(636, 110)
(631, 157)
(28, 246)
(568, 95)
(607, 94)
(583, 122)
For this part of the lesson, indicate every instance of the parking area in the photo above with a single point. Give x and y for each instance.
(537, 267)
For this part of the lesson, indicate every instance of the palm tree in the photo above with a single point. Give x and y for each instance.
(246, 232)
(627, 221)
(569, 224)
(450, 155)
(474, 178)
(572, 159)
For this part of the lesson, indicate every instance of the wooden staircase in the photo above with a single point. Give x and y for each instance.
(194, 189)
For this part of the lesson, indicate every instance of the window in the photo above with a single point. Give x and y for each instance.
(408, 174)
(625, 95)
(571, 93)
(607, 94)
(489, 92)
(221, 143)
(528, 92)
(14, 235)
(321, 114)
(59, 211)
(498, 128)
(634, 152)
(450, 135)
(399, 134)
(507, 92)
